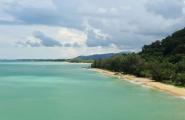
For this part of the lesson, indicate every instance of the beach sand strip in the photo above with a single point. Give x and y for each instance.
(147, 82)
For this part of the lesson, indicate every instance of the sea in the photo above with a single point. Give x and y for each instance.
(66, 91)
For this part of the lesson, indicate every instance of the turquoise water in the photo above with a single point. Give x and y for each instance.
(62, 91)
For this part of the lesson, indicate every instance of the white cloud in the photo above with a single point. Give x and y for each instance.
(125, 7)
(169, 9)
(102, 10)
(183, 10)
(65, 32)
(39, 4)
(114, 10)
(93, 26)
(99, 34)
(71, 35)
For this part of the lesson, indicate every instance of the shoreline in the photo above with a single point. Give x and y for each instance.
(79, 63)
(180, 92)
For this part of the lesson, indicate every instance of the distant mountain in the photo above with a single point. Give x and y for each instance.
(103, 56)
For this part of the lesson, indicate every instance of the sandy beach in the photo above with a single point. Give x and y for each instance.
(148, 82)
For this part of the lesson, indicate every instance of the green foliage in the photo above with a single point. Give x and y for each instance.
(78, 60)
(163, 60)
(180, 80)
(181, 66)
(154, 68)
(131, 63)
(146, 72)
(172, 47)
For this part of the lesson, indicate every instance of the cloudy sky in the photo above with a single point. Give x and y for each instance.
(59, 29)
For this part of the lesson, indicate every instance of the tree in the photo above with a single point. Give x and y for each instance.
(180, 80)
(154, 70)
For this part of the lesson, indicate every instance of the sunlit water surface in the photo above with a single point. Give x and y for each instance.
(62, 91)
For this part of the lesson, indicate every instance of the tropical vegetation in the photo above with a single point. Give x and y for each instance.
(78, 60)
(163, 61)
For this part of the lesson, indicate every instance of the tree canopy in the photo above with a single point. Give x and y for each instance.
(163, 60)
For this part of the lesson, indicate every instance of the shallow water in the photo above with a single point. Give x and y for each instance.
(62, 91)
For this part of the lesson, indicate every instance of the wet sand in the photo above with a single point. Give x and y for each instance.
(147, 82)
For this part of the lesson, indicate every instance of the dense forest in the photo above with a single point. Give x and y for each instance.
(163, 61)
(78, 60)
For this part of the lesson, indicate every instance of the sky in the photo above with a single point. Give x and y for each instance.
(62, 29)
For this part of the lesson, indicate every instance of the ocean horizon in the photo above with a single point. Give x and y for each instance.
(66, 91)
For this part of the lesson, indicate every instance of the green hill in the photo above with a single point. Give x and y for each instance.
(163, 61)
(171, 48)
